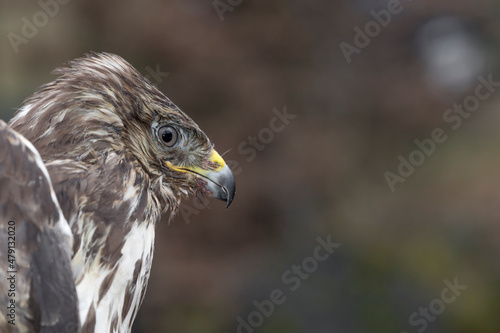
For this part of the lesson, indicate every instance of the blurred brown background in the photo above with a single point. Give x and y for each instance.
(324, 173)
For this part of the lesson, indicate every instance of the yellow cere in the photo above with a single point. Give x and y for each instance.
(215, 158)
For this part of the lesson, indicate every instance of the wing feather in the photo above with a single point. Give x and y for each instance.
(34, 232)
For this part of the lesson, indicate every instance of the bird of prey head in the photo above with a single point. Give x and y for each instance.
(101, 102)
(119, 153)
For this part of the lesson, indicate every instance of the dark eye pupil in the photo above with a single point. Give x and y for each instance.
(167, 136)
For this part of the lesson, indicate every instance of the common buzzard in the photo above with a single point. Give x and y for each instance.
(88, 165)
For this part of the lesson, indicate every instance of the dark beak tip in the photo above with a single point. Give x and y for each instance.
(229, 195)
(229, 200)
(222, 185)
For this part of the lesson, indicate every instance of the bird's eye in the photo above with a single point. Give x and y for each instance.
(168, 135)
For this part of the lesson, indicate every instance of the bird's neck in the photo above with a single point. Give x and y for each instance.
(112, 211)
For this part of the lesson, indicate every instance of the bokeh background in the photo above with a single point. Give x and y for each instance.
(324, 174)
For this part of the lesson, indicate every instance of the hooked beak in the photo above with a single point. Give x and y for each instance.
(219, 179)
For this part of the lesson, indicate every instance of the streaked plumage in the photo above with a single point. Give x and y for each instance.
(119, 154)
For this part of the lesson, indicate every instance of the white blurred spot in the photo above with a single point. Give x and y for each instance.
(451, 52)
